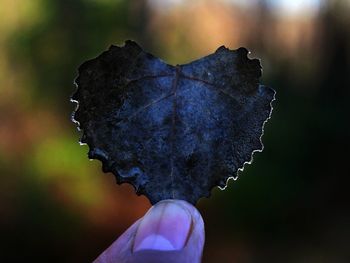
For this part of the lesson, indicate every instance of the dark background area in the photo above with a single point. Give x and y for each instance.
(290, 205)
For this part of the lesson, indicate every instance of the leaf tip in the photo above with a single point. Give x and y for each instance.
(243, 51)
(222, 48)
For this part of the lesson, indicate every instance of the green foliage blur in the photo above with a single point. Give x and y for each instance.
(290, 205)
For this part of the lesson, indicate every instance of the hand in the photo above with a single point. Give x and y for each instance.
(172, 231)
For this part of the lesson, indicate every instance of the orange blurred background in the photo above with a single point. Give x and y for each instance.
(290, 205)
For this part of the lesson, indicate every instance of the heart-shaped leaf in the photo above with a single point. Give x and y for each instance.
(173, 132)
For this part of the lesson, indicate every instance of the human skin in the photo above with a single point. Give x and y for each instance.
(171, 231)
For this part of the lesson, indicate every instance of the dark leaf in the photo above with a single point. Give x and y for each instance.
(172, 132)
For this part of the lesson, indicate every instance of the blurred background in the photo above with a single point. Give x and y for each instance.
(291, 205)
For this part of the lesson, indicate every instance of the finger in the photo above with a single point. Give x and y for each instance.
(171, 231)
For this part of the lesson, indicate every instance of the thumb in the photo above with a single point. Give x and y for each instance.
(172, 231)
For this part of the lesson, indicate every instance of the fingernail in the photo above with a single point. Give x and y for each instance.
(165, 227)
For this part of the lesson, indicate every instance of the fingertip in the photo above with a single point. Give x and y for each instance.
(166, 226)
(171, 231)
(192, 249)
